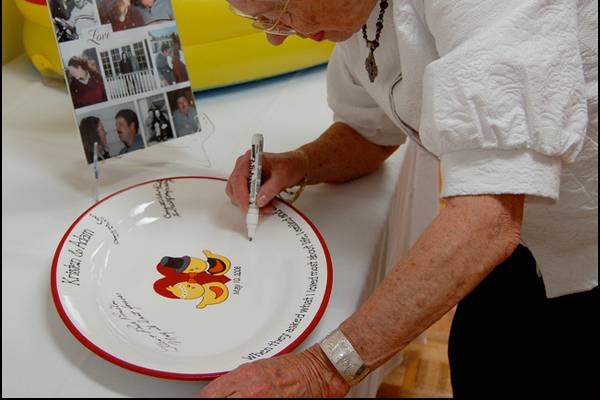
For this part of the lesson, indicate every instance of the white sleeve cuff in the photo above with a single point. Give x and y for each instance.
(477, 172)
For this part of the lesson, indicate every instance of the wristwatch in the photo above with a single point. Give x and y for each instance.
(344, 357)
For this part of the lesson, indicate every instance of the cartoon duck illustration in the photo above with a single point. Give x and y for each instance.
(190, 278)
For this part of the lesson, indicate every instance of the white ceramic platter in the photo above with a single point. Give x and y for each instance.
(160, 278)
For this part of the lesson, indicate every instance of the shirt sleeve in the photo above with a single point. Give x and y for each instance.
(354, 106)
(504, 105)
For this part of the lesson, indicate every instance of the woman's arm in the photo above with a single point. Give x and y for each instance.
(470, 237)
(341, 154)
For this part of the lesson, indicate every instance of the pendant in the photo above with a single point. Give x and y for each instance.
(371, 66)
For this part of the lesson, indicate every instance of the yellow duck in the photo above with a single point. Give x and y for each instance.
(191, 278)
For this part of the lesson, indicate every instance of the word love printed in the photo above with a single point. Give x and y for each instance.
(98, 36)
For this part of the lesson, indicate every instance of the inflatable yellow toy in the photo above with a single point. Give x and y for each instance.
(220, 48)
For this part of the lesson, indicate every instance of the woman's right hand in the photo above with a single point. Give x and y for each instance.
(279, 171)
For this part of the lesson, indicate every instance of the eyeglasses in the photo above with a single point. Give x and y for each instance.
(266, 24)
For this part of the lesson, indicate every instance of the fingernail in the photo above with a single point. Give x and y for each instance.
(262, 201)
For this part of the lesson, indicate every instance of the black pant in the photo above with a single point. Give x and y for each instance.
(507, 338)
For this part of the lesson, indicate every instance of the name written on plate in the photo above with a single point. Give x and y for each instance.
(76, 246)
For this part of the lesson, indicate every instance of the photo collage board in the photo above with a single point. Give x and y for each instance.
(126, 73)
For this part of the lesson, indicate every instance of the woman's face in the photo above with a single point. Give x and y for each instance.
(333, 20)
(123, 4)
(101, 139)
(78, 73)
(101, 134)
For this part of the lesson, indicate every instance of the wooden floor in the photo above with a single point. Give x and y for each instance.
(425, 371)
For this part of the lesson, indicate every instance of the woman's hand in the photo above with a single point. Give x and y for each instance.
(339, 155)
(279, 171)
(305, 374)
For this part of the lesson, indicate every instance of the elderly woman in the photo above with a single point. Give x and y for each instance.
(504, 93)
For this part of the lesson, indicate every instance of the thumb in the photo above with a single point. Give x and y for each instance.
(268, 191)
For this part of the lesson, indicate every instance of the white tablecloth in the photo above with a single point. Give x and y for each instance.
(367, 224)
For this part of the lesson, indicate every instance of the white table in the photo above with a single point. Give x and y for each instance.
(46, 185)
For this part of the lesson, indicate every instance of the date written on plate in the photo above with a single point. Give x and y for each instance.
(237, 276)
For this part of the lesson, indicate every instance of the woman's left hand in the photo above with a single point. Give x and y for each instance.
(305, 374)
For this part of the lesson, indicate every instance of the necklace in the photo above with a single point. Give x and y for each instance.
(372, 45)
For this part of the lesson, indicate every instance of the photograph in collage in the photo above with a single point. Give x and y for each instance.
(125, 72)
(157, 122)
(128, 69)
(117, 130)
(168, 56)
(185, 115)
(129, 14)
(71, 18)
(84, 77)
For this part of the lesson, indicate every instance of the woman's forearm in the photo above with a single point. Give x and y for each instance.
(466, 241)
(341, 154)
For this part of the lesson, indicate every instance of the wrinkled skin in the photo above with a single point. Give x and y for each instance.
(305, 374)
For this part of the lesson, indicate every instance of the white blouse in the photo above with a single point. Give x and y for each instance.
(505, 94)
